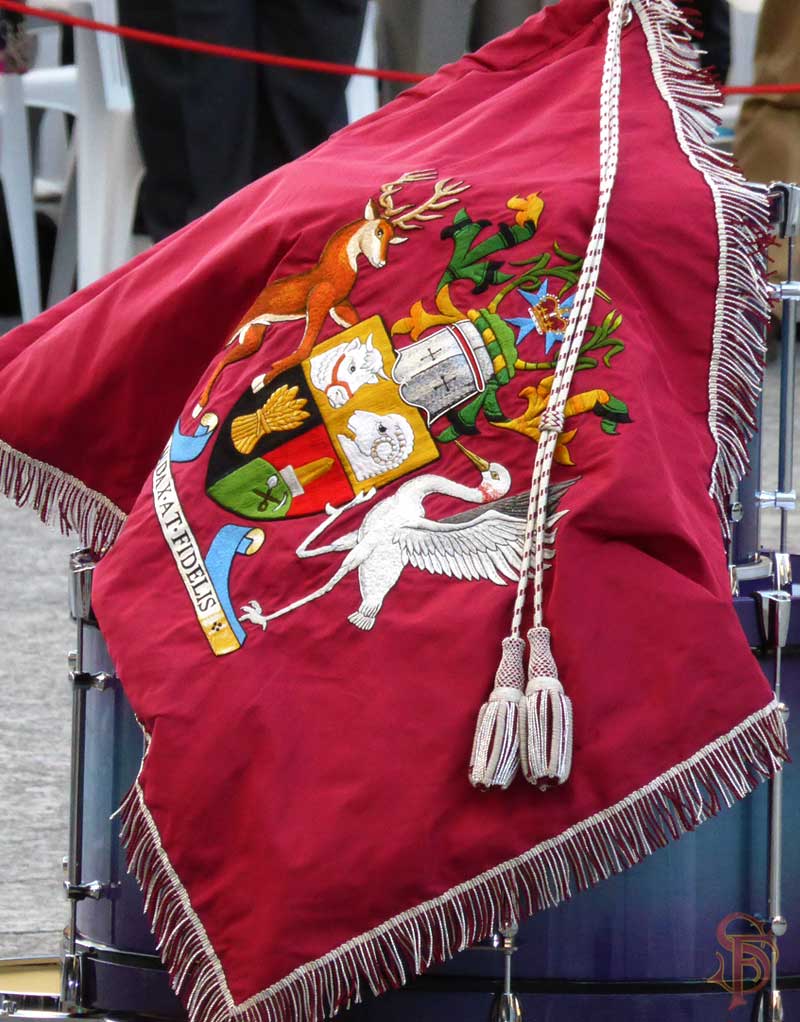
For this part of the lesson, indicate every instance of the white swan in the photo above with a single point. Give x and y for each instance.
(478, 544)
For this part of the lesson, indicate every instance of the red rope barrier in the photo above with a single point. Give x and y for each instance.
(760, 90)
(212, 49)
(298, 63)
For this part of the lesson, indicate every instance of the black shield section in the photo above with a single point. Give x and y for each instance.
(225, 458)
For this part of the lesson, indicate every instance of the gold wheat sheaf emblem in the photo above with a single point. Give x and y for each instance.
(283, 410)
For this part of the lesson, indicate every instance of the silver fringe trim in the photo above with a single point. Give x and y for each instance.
(60, 499)
(742, 303)
(384, 958)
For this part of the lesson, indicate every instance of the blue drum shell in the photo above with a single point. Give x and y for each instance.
(113, 753)
(414, 1006)
(658, 921)
(654, 924)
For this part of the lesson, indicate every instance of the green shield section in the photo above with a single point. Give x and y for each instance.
(256, 490)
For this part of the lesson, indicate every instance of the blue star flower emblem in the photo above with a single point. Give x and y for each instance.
(547, 314)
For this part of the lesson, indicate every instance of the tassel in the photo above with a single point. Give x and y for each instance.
(495, 751)
(545, 718)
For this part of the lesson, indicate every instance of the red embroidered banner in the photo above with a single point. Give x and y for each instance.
(319, 408)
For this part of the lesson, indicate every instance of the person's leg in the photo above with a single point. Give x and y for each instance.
(768, 134)
(300, 110)
(220, 100)
(156, 75)
(420, 36)
(716, 41)
(496, 17)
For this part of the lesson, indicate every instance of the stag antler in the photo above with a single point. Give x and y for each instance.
(385, 199)
(444, 193)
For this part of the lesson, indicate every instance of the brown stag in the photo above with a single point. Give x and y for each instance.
(325, 289)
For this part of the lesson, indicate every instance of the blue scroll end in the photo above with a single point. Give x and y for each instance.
(188, 447)
(228, 542)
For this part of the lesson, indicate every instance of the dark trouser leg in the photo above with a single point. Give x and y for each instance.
(302, 109)
(220, 100)
(496, 17)
(210, 125)
(156, 75)
(716, 41)
(423, 35)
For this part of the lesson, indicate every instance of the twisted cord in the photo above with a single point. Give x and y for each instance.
(552, 419)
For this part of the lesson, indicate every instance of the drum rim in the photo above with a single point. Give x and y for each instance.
(97, 951)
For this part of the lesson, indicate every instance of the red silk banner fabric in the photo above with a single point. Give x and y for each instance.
(306, 602)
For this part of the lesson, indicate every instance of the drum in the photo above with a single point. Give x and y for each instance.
(639, 946)
(115, 965)
(643, 945)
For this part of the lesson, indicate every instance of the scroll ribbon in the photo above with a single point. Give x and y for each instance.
(206, 579)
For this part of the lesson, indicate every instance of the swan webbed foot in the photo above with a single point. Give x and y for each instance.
(252, 612)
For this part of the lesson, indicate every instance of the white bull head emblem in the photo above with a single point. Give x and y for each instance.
(382, 442)
(340, 372)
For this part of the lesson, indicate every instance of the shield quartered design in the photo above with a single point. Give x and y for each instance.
(319, 432)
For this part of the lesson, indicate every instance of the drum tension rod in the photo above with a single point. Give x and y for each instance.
(784, 290)
(784, 203)
(81, 570)
(735, 515)
(84, 680)
(784, 208)
(777, 498)
(746, 562)
(506, 1006)
(775, 607)
(95, 890)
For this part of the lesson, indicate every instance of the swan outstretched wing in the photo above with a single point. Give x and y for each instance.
(516, 506)
(489, 546)
(480, 542)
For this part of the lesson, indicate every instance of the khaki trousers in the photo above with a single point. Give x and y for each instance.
(422, 35)
(767, 143)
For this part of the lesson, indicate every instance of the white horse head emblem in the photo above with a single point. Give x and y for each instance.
(340, 372)
(382, 442)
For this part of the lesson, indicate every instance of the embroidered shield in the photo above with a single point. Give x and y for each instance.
(319, 432)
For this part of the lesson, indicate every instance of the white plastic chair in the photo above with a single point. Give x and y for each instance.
(48, 132)
(744, 27)
(362, 92)
(109, 168)
(17, 180)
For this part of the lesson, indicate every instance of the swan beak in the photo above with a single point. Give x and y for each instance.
(480, 463)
